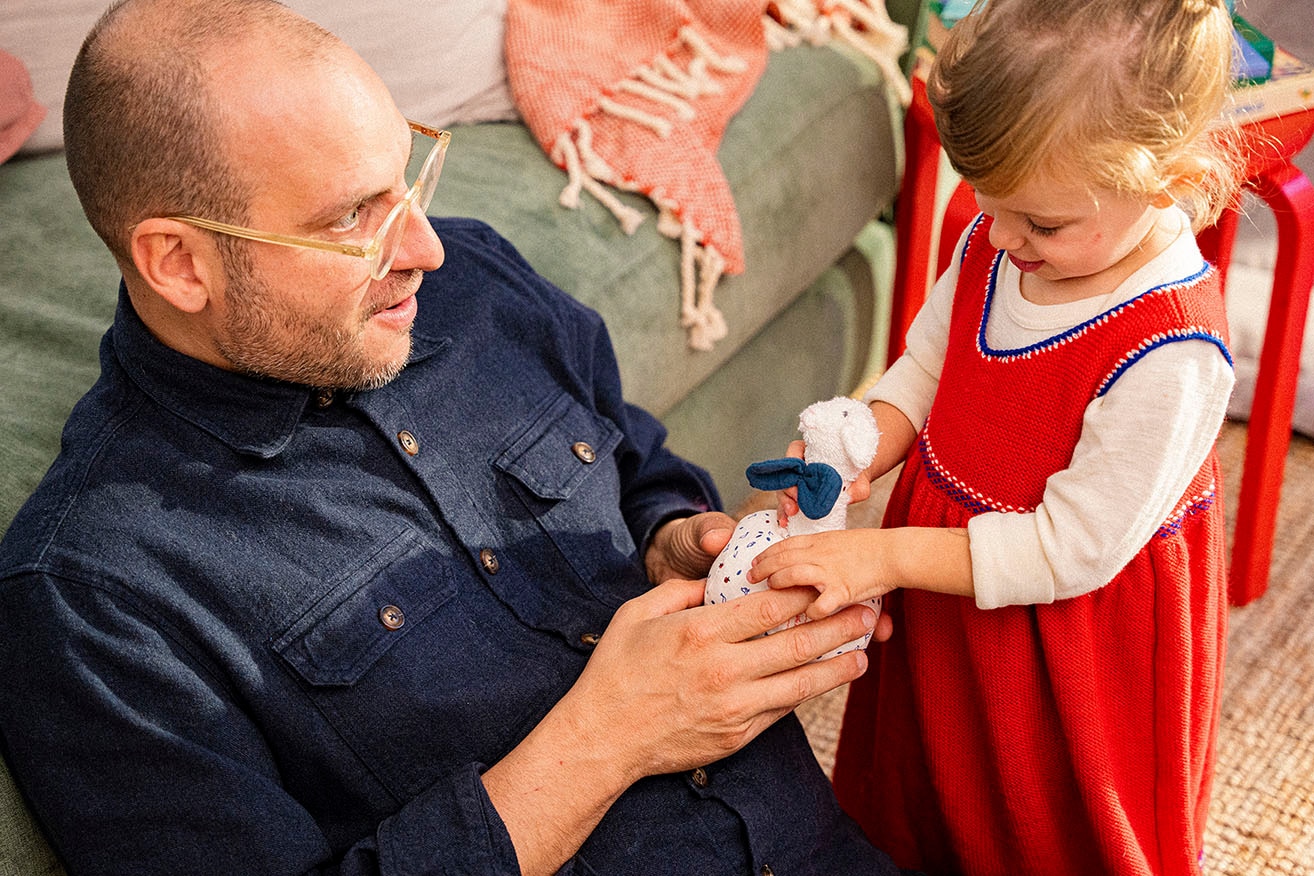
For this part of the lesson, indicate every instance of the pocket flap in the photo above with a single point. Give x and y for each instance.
(553, 456)
(371, 608)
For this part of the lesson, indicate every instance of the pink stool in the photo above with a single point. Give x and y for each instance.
(1279, 183)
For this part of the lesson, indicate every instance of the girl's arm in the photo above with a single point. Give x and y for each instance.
(1140, 447)
(854, 565)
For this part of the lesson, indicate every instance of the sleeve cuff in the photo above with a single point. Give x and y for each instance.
(450, 828)
(1008, 565)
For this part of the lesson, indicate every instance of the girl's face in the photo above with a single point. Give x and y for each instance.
(1071, 241)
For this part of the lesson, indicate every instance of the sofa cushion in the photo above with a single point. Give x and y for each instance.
(810, 159)
(23, 849)
(57, 296)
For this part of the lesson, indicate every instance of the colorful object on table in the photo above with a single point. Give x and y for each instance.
(840, 438)
(1268, 80)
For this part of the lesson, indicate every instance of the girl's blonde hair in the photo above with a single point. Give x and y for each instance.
(1124, 95)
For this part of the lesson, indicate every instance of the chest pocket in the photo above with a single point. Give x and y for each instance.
(363, 616)
(417, 675)
(564, 466)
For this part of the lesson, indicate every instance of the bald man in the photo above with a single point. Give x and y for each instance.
(355, 560)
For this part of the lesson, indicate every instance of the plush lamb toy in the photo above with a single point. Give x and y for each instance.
(841, 438)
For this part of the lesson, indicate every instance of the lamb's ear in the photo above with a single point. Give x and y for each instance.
(860, 439)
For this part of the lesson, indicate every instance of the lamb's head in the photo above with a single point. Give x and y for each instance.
(840, 432)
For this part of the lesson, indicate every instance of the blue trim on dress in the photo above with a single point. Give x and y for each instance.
(1174, 524)
(1158, 341)
(976, 223)
(1076, 330)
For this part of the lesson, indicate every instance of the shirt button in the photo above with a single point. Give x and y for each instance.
(584, 451)
(767, 871)
(323, 398)
(590, 639)
(392, 617)
(408, 442)
(699, 777)
(488, 560)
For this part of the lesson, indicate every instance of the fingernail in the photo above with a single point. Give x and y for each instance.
(862, 660)
(868, 619)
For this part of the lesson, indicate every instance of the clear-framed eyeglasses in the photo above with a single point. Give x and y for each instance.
(382, 250)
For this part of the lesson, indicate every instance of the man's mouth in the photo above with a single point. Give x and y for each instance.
(407, 285)
(398, 316)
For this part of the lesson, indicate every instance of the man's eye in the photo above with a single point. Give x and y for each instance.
(348, 222)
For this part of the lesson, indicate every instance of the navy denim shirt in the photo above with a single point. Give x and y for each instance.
(246, 627)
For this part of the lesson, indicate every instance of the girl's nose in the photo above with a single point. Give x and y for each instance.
(1005, 234)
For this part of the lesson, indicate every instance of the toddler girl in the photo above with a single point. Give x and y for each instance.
(1049, 702)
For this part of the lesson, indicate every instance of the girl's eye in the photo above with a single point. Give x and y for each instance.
(1042, 230)
(348, 222)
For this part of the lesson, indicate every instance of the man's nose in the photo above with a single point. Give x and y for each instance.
(420, 247)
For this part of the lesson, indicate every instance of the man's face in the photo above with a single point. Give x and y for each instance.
(263, 333)
(325, 159)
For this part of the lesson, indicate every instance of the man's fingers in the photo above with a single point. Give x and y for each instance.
(713, 540)
(806, 642)
(672, 595)
(749, 616)
(684, 548)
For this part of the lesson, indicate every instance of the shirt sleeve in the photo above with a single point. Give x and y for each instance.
(1140, 446)
(911, 382)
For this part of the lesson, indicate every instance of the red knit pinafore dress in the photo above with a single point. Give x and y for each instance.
(1070, 738)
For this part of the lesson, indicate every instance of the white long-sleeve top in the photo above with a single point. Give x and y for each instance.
(1141, 442)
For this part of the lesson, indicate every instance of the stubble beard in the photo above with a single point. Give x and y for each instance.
(264, 339)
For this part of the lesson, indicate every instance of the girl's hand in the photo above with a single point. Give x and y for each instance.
(853, 565)
(845, 567)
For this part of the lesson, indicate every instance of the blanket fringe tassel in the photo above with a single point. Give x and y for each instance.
(863, 24)
(668, 88)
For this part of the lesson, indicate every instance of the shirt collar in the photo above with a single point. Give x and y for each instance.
(252, 415)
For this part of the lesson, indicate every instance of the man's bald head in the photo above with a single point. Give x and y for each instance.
(144, 113)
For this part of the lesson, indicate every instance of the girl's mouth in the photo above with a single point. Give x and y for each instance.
(1025, 266)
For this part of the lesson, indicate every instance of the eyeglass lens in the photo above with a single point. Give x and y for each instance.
(419, 198)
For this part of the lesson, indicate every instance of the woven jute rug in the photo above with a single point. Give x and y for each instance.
(1262, 811)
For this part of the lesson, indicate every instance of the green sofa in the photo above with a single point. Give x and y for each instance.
(813, 158)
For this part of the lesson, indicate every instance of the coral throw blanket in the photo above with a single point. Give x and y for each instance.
(635, 95)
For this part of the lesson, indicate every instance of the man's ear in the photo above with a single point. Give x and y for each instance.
(178, 261)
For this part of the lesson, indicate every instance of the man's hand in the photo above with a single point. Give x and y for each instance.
(702, 680)
(685, 547)
(672, 685)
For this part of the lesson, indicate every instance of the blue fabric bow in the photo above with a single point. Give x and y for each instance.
(818, 484)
